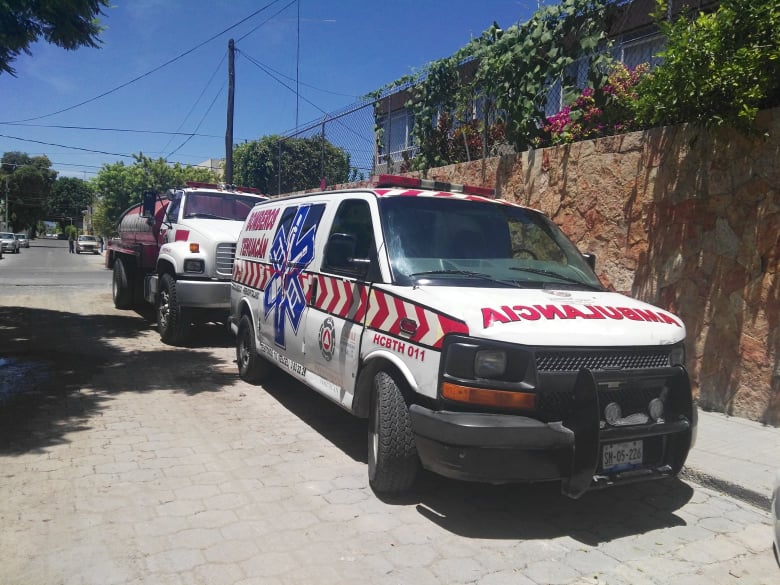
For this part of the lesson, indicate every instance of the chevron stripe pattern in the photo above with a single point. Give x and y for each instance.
(350, 300)
(386, 311)
(341, 297)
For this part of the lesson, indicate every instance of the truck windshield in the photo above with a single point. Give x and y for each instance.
(218, 206)
(455, 242)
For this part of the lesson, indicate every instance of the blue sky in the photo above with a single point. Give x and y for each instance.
(347, 49)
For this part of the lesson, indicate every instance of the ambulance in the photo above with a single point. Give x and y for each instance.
(470, 332)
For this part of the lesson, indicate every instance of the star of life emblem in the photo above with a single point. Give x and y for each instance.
(291, 252)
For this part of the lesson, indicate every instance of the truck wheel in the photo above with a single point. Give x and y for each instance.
(251, 367)
(173, 320)
(120, 287)
(392, 455)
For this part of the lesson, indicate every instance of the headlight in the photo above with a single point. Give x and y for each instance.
(490, 363)
(193, 266)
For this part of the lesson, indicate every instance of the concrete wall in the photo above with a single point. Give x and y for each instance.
(685, 219)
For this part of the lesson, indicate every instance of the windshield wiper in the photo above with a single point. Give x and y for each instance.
(558, 276)
(468, 274)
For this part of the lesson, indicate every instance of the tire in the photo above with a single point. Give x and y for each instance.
(173, 320)
(252, 367)
(120, 286)
(77, 251)
(392, 455)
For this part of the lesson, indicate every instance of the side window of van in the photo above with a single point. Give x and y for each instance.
(350, 244)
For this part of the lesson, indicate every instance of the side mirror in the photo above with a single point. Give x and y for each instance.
(147, 204)
(591, 260)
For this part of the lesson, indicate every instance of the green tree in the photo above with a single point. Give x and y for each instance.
(305, 162)
(719, 68)
(27, 181)
(70, 196)
(69, 25)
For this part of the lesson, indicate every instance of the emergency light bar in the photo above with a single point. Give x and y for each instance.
(413, 183)
(222, 187)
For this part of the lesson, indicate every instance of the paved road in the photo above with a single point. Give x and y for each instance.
(125, 461)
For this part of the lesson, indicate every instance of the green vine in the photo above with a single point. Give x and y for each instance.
(508, 72)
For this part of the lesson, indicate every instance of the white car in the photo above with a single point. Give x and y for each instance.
(8, 243)
(87, 244)
(776, 516)
(24, 241)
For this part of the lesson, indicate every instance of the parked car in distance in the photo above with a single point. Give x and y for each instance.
(24, 241)
(87, 244)
(9, 243)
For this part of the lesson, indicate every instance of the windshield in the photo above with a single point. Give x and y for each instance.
(219, 206)
(87, 239)
(456, 242)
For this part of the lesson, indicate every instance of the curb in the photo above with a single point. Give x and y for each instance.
(734, 490)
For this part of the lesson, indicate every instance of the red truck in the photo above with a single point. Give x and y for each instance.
(176, 252)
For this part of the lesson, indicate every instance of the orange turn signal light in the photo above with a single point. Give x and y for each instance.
(484, 397)
(194, 247)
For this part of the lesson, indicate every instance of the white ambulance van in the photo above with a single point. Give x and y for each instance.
(470, 331)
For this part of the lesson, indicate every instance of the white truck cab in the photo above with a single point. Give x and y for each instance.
(470, 331)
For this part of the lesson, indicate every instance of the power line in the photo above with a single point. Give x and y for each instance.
(197, 101)
(199, 123)
(96, 128)
(173, 60)
(81, 149)
(241, 38)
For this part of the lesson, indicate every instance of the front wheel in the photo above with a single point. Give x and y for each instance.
(251, 367)
(392, 454)
(173, 320)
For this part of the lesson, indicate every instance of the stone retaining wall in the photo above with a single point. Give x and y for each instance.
(682, 218)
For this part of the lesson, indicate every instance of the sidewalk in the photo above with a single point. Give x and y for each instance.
(735, 455)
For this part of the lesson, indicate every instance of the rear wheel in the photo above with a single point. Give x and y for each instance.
(120, 286)
(392, 454)
(173, 320)
(251, 367)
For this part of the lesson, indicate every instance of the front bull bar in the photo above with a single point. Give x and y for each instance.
(584, 420)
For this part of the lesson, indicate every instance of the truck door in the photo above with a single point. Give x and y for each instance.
(339, 298)
(283, 306)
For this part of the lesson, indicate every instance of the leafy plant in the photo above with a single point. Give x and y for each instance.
(718, 69)
(303, 163)
(599, 112)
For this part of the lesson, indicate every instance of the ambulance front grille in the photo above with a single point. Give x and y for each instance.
(226, 253)
(574, 361)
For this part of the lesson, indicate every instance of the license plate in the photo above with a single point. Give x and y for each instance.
(617, 456)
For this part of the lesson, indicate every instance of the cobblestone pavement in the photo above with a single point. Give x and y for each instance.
(130, 462)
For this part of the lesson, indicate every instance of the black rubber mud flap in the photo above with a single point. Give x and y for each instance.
(583, 420)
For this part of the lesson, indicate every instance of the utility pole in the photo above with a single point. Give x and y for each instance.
(6, 202)
(231, 95)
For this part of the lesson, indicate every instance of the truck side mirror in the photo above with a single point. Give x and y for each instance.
(147, 204)
(591, 260)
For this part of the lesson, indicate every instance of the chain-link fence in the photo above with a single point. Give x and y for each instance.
(375, 135)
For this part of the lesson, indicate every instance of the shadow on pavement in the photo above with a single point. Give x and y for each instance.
(58, 369)
(510, 511)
